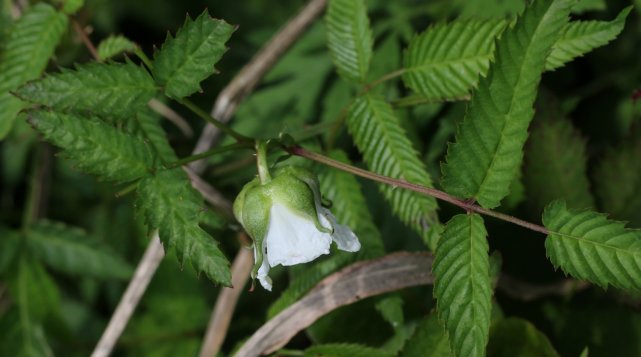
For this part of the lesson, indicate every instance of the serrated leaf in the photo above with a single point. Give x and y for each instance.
(581, 37)
(171, 205)
(71, 251)
(445, 61)
(95, 146)
(349, 38)
(488, 150)
(345, 350)
(518, 337)
(114, 45)
(588, 246)
(30, 44)
(146, 125)
(107, 90)
(387, 151)
(462, 284)
(189, 58)
(429, 339)
(617, 180)
(556, 166)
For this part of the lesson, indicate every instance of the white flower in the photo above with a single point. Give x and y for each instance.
(287, 222)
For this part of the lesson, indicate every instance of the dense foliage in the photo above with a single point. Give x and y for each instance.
(490, 148)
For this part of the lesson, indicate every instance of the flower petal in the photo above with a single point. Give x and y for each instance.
(292, 239)
(343, 236)
(262, 276)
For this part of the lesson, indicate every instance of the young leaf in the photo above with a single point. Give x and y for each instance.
(115, 89)
(112, 46)
(429, 339)
(488, 150)
(387, 151)
(345, 350)
(97, 147)
(445, 61)
(171, 205)
(580, 37)
(71, 251)
(189, 58)
(556, 166)
(349, 38)
(29, 46)
(462, 284)
(588, 246)
(617, 180)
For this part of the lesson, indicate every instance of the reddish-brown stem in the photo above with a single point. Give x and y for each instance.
(85, 39)
(466, 205)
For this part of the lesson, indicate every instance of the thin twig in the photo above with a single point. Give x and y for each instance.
(525, 291)
(468, 206)
(175, 118)
(358, 281)
(227, 299)
(135, 290)
(245, 81)
(85, 39)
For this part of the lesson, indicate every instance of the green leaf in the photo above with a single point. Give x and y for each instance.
(349, 38)
(488, 150)
(21, 338)
(114, 45)
(518, 337)
(344, 350)
(581, 37)
(556, 166)
(588, 246)
(462, 284)
(429, 339)
(71, 251)
(189, 58)
(30, 44)
(445, 61)
(115, 89)
(97, 147)
(617, 180)
(171, 205)
(70, 7)
(387, 151)
(146, 125)
(391, 309)
(34, 291)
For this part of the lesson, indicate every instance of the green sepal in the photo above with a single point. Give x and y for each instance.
(299, 188)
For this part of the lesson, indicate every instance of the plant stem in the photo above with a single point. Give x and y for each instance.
(468, 206)
(261, 162)
(143, 57)
(384, 78)
(202, 155)
(417, 100)
(208, 118)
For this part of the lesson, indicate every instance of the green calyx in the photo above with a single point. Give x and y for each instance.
(293, 187)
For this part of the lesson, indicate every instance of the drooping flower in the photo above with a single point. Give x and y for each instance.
(287, 222)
